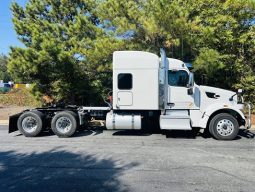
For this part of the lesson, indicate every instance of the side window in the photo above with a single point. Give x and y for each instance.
(178, 78)
(125, 81)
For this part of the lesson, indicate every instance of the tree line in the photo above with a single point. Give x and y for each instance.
(4, 75)
(69, 44)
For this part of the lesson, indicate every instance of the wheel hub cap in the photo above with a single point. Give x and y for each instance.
(225, 127)
(63, 124)
(29, 124)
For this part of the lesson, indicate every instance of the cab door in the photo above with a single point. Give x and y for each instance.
(179, 95)
(125, 85)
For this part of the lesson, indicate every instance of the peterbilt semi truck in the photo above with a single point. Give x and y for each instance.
(147, 90)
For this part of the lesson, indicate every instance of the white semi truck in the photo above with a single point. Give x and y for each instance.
(147, 90)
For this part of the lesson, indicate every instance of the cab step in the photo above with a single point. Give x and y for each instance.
(175, 120)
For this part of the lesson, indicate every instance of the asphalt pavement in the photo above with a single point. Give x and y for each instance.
(99, 160)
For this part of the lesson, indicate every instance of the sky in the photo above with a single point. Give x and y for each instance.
(8, 36)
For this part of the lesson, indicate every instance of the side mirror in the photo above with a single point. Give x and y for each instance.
(191, 81)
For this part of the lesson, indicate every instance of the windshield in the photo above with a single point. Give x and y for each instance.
(178, 78)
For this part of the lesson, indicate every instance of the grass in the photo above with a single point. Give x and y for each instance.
(18, 97)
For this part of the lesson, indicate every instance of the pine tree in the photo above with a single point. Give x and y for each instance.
(66, 54)
(218, 37)
(69, 44)
(4, 75)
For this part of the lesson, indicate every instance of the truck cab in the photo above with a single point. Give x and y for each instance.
(144, 83)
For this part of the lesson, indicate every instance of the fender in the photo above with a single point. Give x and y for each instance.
(13, 122)
(216, 107)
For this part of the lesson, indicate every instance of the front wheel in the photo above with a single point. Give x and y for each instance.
(64, 124)
(224, 127)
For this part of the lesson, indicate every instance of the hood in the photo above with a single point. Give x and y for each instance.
(221, 94)
(217, 90)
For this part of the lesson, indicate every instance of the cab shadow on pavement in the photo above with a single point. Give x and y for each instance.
(59, 170)
(242, 134)
(245, 133)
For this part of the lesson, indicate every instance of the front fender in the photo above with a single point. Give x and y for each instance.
(217, 107)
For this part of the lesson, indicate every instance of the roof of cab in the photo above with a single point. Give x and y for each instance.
(142, 60)
(135, 60)
(176, 64)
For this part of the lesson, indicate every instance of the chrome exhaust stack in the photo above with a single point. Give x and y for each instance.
(248, 120)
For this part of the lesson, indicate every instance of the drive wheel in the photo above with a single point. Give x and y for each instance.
(224, 127)
(64, 124)
(30, 123)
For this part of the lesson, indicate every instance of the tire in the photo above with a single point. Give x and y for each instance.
(64, 124)
(224, 127)
(30, 123)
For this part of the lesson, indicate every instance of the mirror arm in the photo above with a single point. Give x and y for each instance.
(232, 97)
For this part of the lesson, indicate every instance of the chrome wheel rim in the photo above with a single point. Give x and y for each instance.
(29, 124)
(63, 124)
(225, 127)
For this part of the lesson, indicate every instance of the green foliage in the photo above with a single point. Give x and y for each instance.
(208, 60)
(228, 28)
(211, 63)
(4, 75)
(65, 49)
(69, 44)
(217, 36)
(147, 25)
(19, 97)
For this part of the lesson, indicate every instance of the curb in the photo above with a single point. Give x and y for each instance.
(252, 128)
(4, 122)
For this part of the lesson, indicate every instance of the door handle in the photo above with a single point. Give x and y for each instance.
(216, 96)
(170, 104)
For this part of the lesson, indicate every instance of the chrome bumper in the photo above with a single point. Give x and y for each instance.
(248, 118)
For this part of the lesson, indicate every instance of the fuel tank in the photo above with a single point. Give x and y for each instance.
(123, 121)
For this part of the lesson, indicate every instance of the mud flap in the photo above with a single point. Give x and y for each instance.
(13, 122)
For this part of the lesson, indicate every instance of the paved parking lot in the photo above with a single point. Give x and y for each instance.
(126, 161)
